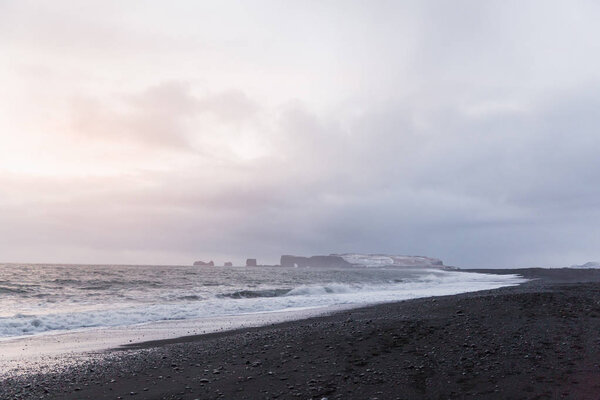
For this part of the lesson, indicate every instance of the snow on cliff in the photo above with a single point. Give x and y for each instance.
(590, 264)
(379, 260)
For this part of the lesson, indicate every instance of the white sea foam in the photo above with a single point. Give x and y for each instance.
(588, 265)
(421, 284)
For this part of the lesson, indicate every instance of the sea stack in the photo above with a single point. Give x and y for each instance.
(204, 264)
(228, 264)
(251, 262)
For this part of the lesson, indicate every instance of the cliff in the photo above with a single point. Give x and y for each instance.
(314, 261)
(375, 260)
(360, 260)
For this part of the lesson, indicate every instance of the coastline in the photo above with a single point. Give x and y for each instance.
(26, 354)
(536, 340)
(21, 354)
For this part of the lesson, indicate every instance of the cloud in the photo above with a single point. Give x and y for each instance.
(382, 184)
(458, 132)
(167, 115)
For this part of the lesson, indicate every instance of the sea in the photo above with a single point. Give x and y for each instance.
(52, 299)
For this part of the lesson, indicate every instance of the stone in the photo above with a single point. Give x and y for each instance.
(204, 264)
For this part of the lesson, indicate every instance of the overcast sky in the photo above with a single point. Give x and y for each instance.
(166, 132)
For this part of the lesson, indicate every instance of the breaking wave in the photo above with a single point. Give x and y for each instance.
(251, 294)
(191, 305)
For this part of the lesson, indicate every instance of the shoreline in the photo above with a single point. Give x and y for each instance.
(17, 351)
(535, 339)
(23, 350)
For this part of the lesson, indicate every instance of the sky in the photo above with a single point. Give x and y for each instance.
(152, 132)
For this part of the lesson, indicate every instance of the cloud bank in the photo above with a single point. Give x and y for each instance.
(466, 132)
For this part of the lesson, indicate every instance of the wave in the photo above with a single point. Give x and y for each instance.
(190, 297)
(101, 284)
(65, 281)
(191, 306)
(97, 287)
(317, 290)
(251, 294)
(304, 290)
(12, 290)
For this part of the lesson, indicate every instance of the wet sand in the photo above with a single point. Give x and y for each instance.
(540, 340)
(39, 353)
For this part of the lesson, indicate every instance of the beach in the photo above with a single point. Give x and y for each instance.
(312, 200)
(536, 340)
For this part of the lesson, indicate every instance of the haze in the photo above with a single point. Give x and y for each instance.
(165, 132)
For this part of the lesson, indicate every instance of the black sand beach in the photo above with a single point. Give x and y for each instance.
(540, 340)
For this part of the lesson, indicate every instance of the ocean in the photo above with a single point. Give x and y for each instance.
(45, 299)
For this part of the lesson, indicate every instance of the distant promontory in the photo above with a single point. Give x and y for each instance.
(360, 260)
